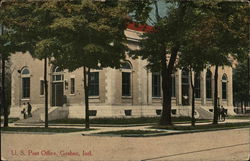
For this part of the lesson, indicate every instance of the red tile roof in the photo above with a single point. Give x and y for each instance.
(139, 27)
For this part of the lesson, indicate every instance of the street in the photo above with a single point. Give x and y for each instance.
(216, 145)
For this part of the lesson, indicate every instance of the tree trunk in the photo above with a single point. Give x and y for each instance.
(241, 105)
(5, 108)
(193, 99)
(46, 93)
(169, 96)
(86, 76)
(166, 115)
(215, 120)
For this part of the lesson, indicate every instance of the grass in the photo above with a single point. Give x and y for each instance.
(42, 129)
(130, 132)
(204, 127)
(10, 120)
(247, 117)
(124, 121)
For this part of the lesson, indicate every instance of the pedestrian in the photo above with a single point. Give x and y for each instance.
(29, 110)
(24, 113)
(223, 113)
(219, 112)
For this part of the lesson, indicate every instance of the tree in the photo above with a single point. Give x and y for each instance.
(165, 40)
(30, 22)
(241, 83)
(193, 59)
(228, 24)
(8, 45)
(90, 35)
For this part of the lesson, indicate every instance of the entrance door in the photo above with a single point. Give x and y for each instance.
(57, 94)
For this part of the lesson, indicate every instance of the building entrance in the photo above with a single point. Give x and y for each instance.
(57, 94)
(57, 87)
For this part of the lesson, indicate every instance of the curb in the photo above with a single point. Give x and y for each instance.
(95, 125)
(41, 133)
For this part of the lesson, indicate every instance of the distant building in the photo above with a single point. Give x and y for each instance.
(132, 91)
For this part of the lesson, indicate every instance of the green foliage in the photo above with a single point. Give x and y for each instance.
(30, 23)
(89, 34)
(241, 82)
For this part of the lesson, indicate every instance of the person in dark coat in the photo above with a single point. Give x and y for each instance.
(29, 110)
(223, 113)
(24, 113)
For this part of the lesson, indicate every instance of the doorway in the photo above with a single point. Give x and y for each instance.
(57, 94)
(57, 87)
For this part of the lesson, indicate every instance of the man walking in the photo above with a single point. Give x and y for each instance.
(29, 110)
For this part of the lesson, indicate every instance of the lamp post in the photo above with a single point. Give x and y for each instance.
(20, 92)
(248, 65)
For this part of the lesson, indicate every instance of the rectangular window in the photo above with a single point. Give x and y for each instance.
(156, 85)
(26, 87)
(41, 87)
(224, 90)
(94, 84)
(72, 85)
(126, 84)
(197, 86)
(208, 89)
(173, 86)
(58, 77)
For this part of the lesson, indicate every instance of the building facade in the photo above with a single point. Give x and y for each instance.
(132, 91)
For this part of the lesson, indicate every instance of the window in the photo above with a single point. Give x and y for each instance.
(224, 86)
(156, 85)
(57, 75)
(126, 84)
(126, 78)
(41, 87)
(72, 85)
(94, 84)
(25, 74)
(197, 85)
(173, 85)
(209, 84)
(185, 87)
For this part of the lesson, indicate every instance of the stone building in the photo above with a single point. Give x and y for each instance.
(131, 91)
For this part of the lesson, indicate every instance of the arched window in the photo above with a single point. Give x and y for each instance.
(126, 65)
(25, 76)
(126, 78)
(209, 84)
(197, 85)
(224, 86)
(57, 75)
(185, 87)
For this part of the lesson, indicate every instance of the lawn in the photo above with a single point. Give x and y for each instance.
(11, 120)
(243, 117)
(42, 129)
(124, 121)
(204, 127)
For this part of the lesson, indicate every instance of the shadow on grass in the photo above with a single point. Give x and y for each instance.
(124, 121)
(130, 132)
